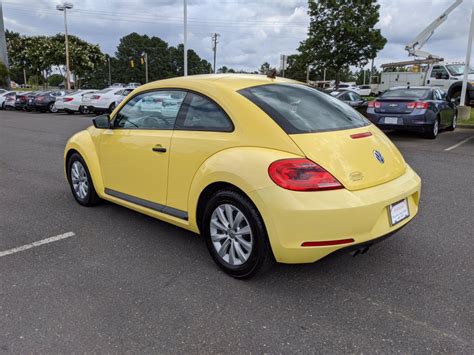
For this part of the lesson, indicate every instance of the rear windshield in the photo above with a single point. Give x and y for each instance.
(298, 108)
(407, 93)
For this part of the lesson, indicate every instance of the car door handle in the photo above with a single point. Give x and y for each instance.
(159, 149)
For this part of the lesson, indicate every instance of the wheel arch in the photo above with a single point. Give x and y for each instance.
(244, 169)
(82, 144)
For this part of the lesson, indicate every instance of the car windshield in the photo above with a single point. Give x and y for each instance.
(298, 108)
(406, 93)
(458, 69)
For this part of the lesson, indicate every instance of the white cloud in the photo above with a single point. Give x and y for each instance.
(252, 31)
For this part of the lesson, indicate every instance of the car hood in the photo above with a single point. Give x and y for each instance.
(351, 160)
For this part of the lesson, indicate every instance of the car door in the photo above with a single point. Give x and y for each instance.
(439, 77)
(134, 153)
(446, 108)
(203, 128)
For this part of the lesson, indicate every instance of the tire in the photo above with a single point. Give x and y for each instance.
(457, 98)
(80, 181)
(239, 255)
(434, 130)
(3, 105)
(453, 123)
(112, 107)
(51, 108)
(81, 110)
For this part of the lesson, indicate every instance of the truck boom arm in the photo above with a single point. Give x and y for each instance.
(414, 47)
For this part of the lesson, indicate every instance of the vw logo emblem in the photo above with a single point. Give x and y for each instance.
(379, 156)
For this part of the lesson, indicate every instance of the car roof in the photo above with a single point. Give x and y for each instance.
(232, 82)
(413, 87)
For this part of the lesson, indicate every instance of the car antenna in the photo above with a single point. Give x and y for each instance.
(272, 73)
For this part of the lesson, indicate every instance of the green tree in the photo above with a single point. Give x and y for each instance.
(264, 68)
(55, 80)
(342, 34)
(196, 65)
(3, 74)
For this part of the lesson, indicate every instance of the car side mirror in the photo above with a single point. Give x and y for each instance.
(102, 122)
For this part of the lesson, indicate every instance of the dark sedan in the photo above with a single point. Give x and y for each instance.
(419, 109)
(44, 101)
(351, 98)
(21, 100)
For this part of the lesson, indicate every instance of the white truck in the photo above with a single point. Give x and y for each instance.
(430, 69)
(432, 73)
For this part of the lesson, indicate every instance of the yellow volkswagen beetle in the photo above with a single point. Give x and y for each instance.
(263, 168)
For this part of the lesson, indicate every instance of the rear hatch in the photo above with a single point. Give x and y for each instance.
(353, 160)
(394, 105)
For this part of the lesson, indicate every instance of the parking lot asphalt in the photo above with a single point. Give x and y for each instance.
(125, 282)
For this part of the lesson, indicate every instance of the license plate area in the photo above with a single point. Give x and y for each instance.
(391, 120)
(398, 212)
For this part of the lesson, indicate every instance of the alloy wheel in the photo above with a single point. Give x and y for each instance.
(79, 180)
(435, 128)
(231, 234)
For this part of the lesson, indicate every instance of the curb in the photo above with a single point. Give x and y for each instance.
(471, 126)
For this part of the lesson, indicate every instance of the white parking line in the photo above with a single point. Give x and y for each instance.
(459, 144)
(37, 244)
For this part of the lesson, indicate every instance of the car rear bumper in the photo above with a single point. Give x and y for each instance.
(95, 108)
(293, 218)
(413, 122)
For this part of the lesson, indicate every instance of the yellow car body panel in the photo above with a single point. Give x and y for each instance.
(196, 159)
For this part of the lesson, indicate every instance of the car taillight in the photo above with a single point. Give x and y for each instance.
(67, 99)
(95, 97)
(302, 175)
(374, 104)
(418, 104)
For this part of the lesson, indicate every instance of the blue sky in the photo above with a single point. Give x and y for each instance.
(252, 31)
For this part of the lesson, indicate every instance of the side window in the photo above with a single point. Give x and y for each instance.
(151, 110)
(438, 70)
(354, 97)
(442, 94)
(344, 97)
(118, 92)
(202, 114)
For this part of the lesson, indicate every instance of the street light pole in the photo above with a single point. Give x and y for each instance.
(464, 111)
(3, 44)
(185, 37)
(64, 7)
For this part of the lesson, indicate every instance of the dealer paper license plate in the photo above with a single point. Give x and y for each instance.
(391, 120)
(398, 211)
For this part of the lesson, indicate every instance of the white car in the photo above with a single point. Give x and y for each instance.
(8, 100)
(364, 90)
(72, 102)
(4, 96)
(103, 100)
(123, 95)
(133, 85)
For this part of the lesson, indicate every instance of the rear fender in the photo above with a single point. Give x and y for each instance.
(244, 167)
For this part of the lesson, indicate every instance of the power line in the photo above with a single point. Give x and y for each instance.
(119, 16)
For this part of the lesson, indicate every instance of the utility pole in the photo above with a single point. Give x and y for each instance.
(463, 110)
(3, 44)
(214, 48)
(64, 7)
(110, 72)
(145, 61)
(185, 38)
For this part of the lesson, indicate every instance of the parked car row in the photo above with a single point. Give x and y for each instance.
(80, 101)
